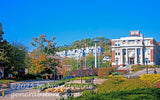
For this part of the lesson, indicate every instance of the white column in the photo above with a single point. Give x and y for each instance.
(142, 56)
(127, 56)
(136, 56)
(121, 56)
(95, 55)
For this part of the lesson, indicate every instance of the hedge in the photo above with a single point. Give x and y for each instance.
(122, 84)
(67, 73)
(106, 71)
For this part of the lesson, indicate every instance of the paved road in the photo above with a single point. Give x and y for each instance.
(140, 73)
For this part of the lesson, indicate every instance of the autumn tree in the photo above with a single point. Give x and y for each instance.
(42, 57)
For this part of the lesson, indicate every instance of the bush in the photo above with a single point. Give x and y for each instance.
(67, 73)
(158, 85)
(153, 78)
(122, 84)
(83, 78)
(116, 73)
(138, 94)
(106, 71)
(87, 93)
(156, 66)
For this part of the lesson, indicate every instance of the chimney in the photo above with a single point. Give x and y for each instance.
(135, 33)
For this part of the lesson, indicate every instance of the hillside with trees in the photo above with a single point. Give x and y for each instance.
(103, 42)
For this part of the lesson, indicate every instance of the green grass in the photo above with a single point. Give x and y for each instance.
(6, 81)
(138, 94)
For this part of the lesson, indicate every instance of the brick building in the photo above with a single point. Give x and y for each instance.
(134, 50)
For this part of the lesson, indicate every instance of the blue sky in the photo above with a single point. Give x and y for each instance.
(70, 20)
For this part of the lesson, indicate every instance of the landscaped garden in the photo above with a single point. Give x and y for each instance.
(120, 88)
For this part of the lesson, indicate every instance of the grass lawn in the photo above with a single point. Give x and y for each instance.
(6, 81)
(138, 94)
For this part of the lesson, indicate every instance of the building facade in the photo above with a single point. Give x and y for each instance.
(78, 53)
(135, 50)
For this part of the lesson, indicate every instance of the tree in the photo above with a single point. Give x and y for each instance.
(12, 56)
(42, 58)
(90, 58)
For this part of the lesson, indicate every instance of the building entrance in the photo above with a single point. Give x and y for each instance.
(131, 60)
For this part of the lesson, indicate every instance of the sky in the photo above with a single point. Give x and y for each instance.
(71, 20)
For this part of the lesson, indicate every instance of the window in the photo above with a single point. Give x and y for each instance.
(138, 41)
(124, 42)
(146, 42)
(131, 41)
(145, 51)
(118, 52)
(124, 60)
(117, 43)
(148, 51)
(139, 51)
(139, 60)
(149, 60)
(124, 51)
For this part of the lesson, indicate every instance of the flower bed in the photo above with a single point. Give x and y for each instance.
(64, 89)
(153, 78)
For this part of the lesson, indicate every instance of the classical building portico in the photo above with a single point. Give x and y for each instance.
(134, 50)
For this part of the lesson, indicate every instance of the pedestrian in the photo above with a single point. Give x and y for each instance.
(155, 72)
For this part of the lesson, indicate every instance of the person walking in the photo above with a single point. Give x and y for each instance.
(155, 72)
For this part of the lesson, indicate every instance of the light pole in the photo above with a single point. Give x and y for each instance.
(117, 64)
(146, 60)
(92, 76)
(81, 70)
(96, 40)
(85, 55)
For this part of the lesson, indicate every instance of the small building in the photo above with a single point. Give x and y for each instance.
(106, 58)
(135, 49)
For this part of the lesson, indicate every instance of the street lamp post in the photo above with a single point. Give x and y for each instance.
(96, 40)
(117, 64)
(92, 76)
(81, 70)
(146, 65)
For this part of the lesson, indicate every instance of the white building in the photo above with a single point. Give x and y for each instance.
(78, 53)
(106, 58)
(134, 50)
